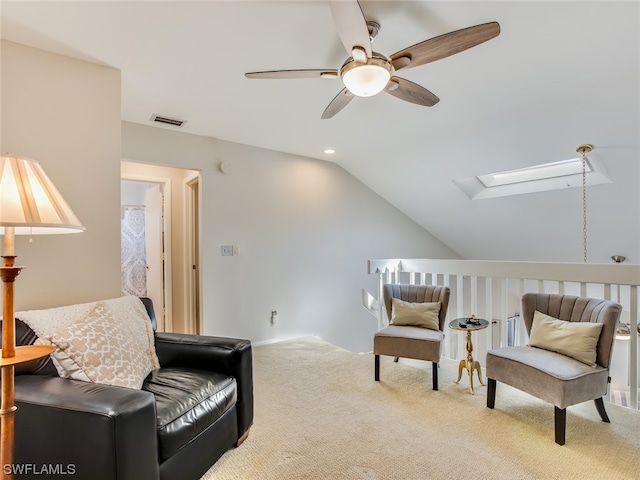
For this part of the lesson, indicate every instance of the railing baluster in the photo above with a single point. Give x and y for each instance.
(504, 327)
(381, 308)
(522, 331)
(488, 293)
(460, 294)
(633, 347)
(474, 294)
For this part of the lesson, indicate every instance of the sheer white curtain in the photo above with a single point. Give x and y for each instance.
(133, 252)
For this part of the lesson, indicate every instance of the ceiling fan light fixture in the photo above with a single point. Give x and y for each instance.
(366, 79)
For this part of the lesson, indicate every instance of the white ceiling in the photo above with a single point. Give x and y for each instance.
(560, 74)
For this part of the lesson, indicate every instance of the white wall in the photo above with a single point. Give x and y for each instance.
(65, 113)
(305, 229)
(132, 193)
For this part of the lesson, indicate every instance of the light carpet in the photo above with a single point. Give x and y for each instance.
(320, 415)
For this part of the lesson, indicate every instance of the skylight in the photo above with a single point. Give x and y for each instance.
(537, 172)
(537, 178)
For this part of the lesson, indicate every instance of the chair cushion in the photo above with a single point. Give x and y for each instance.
(188, 401)
(424, 315)
(408, 342)
(550, 376)
(575, 339)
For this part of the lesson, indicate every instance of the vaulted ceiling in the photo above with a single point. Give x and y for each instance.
(559, 74)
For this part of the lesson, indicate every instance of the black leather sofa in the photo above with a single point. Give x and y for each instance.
(189, 412)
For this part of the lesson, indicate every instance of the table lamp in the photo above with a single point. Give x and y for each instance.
(29, 205)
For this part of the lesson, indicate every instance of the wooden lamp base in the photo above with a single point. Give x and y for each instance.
(10, 356)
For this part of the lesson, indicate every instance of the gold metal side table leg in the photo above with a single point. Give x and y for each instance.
(476, 367)
(470, 365)
(461, 365)
(470, 361)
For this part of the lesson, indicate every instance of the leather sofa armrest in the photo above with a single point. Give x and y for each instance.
(229, 356)
(85, 429)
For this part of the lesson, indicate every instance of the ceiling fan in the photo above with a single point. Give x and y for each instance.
(366, 73)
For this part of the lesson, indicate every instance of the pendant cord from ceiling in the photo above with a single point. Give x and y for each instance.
(583, 150)
(584, 207)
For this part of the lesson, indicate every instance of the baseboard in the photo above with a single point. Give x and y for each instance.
(282, 339)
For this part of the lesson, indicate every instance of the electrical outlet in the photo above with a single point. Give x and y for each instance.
(226, 250)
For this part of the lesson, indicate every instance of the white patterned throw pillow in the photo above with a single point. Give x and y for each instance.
(112, 343)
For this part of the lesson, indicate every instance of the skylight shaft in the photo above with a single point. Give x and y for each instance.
(539, 178)
(537, 172)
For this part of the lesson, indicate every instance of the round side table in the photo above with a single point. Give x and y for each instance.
(469, 324)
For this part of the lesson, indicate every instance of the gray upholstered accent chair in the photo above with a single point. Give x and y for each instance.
(551, 376)
(410, 341)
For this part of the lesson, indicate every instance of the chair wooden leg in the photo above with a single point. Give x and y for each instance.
(376, 368)
(242, 438)
(434, 375)
(396, 359)
(560, 420)
(600, 407)
(491, 393)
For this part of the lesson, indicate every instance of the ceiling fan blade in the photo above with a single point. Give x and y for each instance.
(410, 92)
(444, 45)
(351, 25)
(328, 73)
(338, 103)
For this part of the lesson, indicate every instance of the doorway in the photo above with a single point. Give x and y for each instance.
(142, 252)
(171, 200)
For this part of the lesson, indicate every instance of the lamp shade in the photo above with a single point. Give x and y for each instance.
(29, 202)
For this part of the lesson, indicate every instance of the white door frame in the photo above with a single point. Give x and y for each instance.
(193, 293)
(165, 319)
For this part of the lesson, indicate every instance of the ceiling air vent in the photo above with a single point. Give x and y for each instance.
(167, 121)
